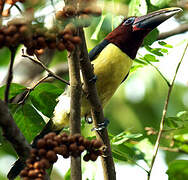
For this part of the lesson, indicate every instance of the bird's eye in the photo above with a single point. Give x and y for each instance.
(129, 21)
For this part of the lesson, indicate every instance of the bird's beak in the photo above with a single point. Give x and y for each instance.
(152, 20)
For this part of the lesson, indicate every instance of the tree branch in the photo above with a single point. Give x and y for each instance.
(10, 73)
(181, 29)
(45, 68)
(96, 108)
(75, 104)
(12, 133)
(156, 148)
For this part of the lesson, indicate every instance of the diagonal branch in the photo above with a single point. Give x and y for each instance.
(48, 70)
(156, 148)
(97, 111)
(10, 73)
(181, 29)
(12, 133)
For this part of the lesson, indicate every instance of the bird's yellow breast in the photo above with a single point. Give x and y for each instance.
(111, 66)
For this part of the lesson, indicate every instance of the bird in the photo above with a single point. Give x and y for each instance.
(112, 60)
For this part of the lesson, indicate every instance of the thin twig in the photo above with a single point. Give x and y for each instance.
(96, 109)
(18, 8)
(156, 148)
(10, 74)
(48, 70)
(168, 83)
(22, 99)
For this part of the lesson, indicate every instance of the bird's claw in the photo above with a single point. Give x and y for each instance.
(101, 126)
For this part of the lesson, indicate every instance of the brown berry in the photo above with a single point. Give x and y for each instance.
(30, 51)
(93, 156)
(69, 10)
(51, 156)
(23, 29)
(58, 150)
(68, 37)
(42, 152)
(73, 147)
(97, 143)
(41, 42)
(51, 143)
(52, 45)
(12, 29)
(60, 46)
(32, 174)
(70, 27)
(39, 52)
(38, 165)
(45, 163)
(41, 143)
(70, 46)
(58, 139)
(50, 135)
(81, 148)
(86, 157)
(24, 173)
(76, 39)
(59, 15)
(87, 143)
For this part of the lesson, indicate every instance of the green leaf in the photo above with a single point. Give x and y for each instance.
(44, 98)
(4, 56)
(181, 138)
(178, 170)
(162, 43)
(137, 8)
(123, 152)
(151, 37)
(183, 115)
(123, 137)
(14, 90)
(147, 148)
(27, 119)
(68, 175)
(155, 51)
(150, 57)
(173, 122)
(135, 67)
(160, 3)
(97, 30)
(140, 61)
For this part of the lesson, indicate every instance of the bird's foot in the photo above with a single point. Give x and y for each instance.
(93, 79)
(101, 126)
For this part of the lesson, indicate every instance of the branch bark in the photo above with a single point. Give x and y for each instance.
(156, 148)
(75, 104)
(12, 133)
(96, 108)
(10, 74)
(181, 29)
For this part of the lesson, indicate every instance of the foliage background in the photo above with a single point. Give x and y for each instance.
(137, 104)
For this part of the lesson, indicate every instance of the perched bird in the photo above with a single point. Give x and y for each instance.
(112, 60)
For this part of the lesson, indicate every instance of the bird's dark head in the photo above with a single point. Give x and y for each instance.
(128, 36)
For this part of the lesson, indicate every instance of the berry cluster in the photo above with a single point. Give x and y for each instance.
(85, 10)
(36, 38)
(50, 145)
